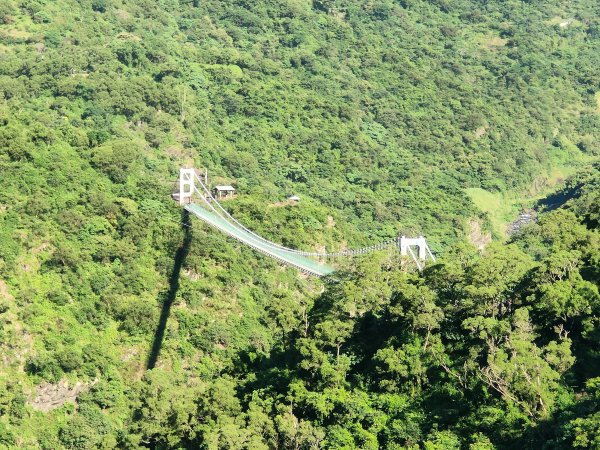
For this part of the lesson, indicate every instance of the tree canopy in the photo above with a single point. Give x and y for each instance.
(125, 323)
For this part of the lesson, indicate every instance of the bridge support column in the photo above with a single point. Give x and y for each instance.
(422, 246)
(186, 185)
(403, 246)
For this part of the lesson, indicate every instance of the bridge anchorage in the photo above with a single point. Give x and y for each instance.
(193, 184)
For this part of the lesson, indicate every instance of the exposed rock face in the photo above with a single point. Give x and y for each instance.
(49, 396)
(477, 236)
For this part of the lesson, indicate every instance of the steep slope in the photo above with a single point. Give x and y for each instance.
(378, 114)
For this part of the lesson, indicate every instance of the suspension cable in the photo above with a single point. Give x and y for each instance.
(342, 253)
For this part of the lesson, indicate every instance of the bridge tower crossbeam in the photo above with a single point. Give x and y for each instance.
(406, 245)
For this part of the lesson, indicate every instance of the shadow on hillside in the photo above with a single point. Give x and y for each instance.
(557, 199)
(171, 294)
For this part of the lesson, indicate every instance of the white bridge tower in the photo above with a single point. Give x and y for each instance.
(186, 185)
(423, 251)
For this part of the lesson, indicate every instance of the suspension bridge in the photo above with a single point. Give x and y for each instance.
(193, 185)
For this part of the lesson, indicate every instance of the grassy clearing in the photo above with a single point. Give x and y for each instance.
(499, 208)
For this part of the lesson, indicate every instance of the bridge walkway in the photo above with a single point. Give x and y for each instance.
(294, 259)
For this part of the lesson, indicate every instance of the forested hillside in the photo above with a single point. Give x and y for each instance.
(127, 324)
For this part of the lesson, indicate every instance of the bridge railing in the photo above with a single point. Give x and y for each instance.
(189, 179)
(342, 253)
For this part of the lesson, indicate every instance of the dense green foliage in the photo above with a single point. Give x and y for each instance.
(379, 114)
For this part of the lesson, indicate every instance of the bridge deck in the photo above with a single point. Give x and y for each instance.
(292, 259)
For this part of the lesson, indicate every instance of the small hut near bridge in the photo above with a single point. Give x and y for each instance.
(222, 192)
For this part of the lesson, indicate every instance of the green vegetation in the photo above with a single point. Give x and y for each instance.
(501, 208)
(411, 116)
